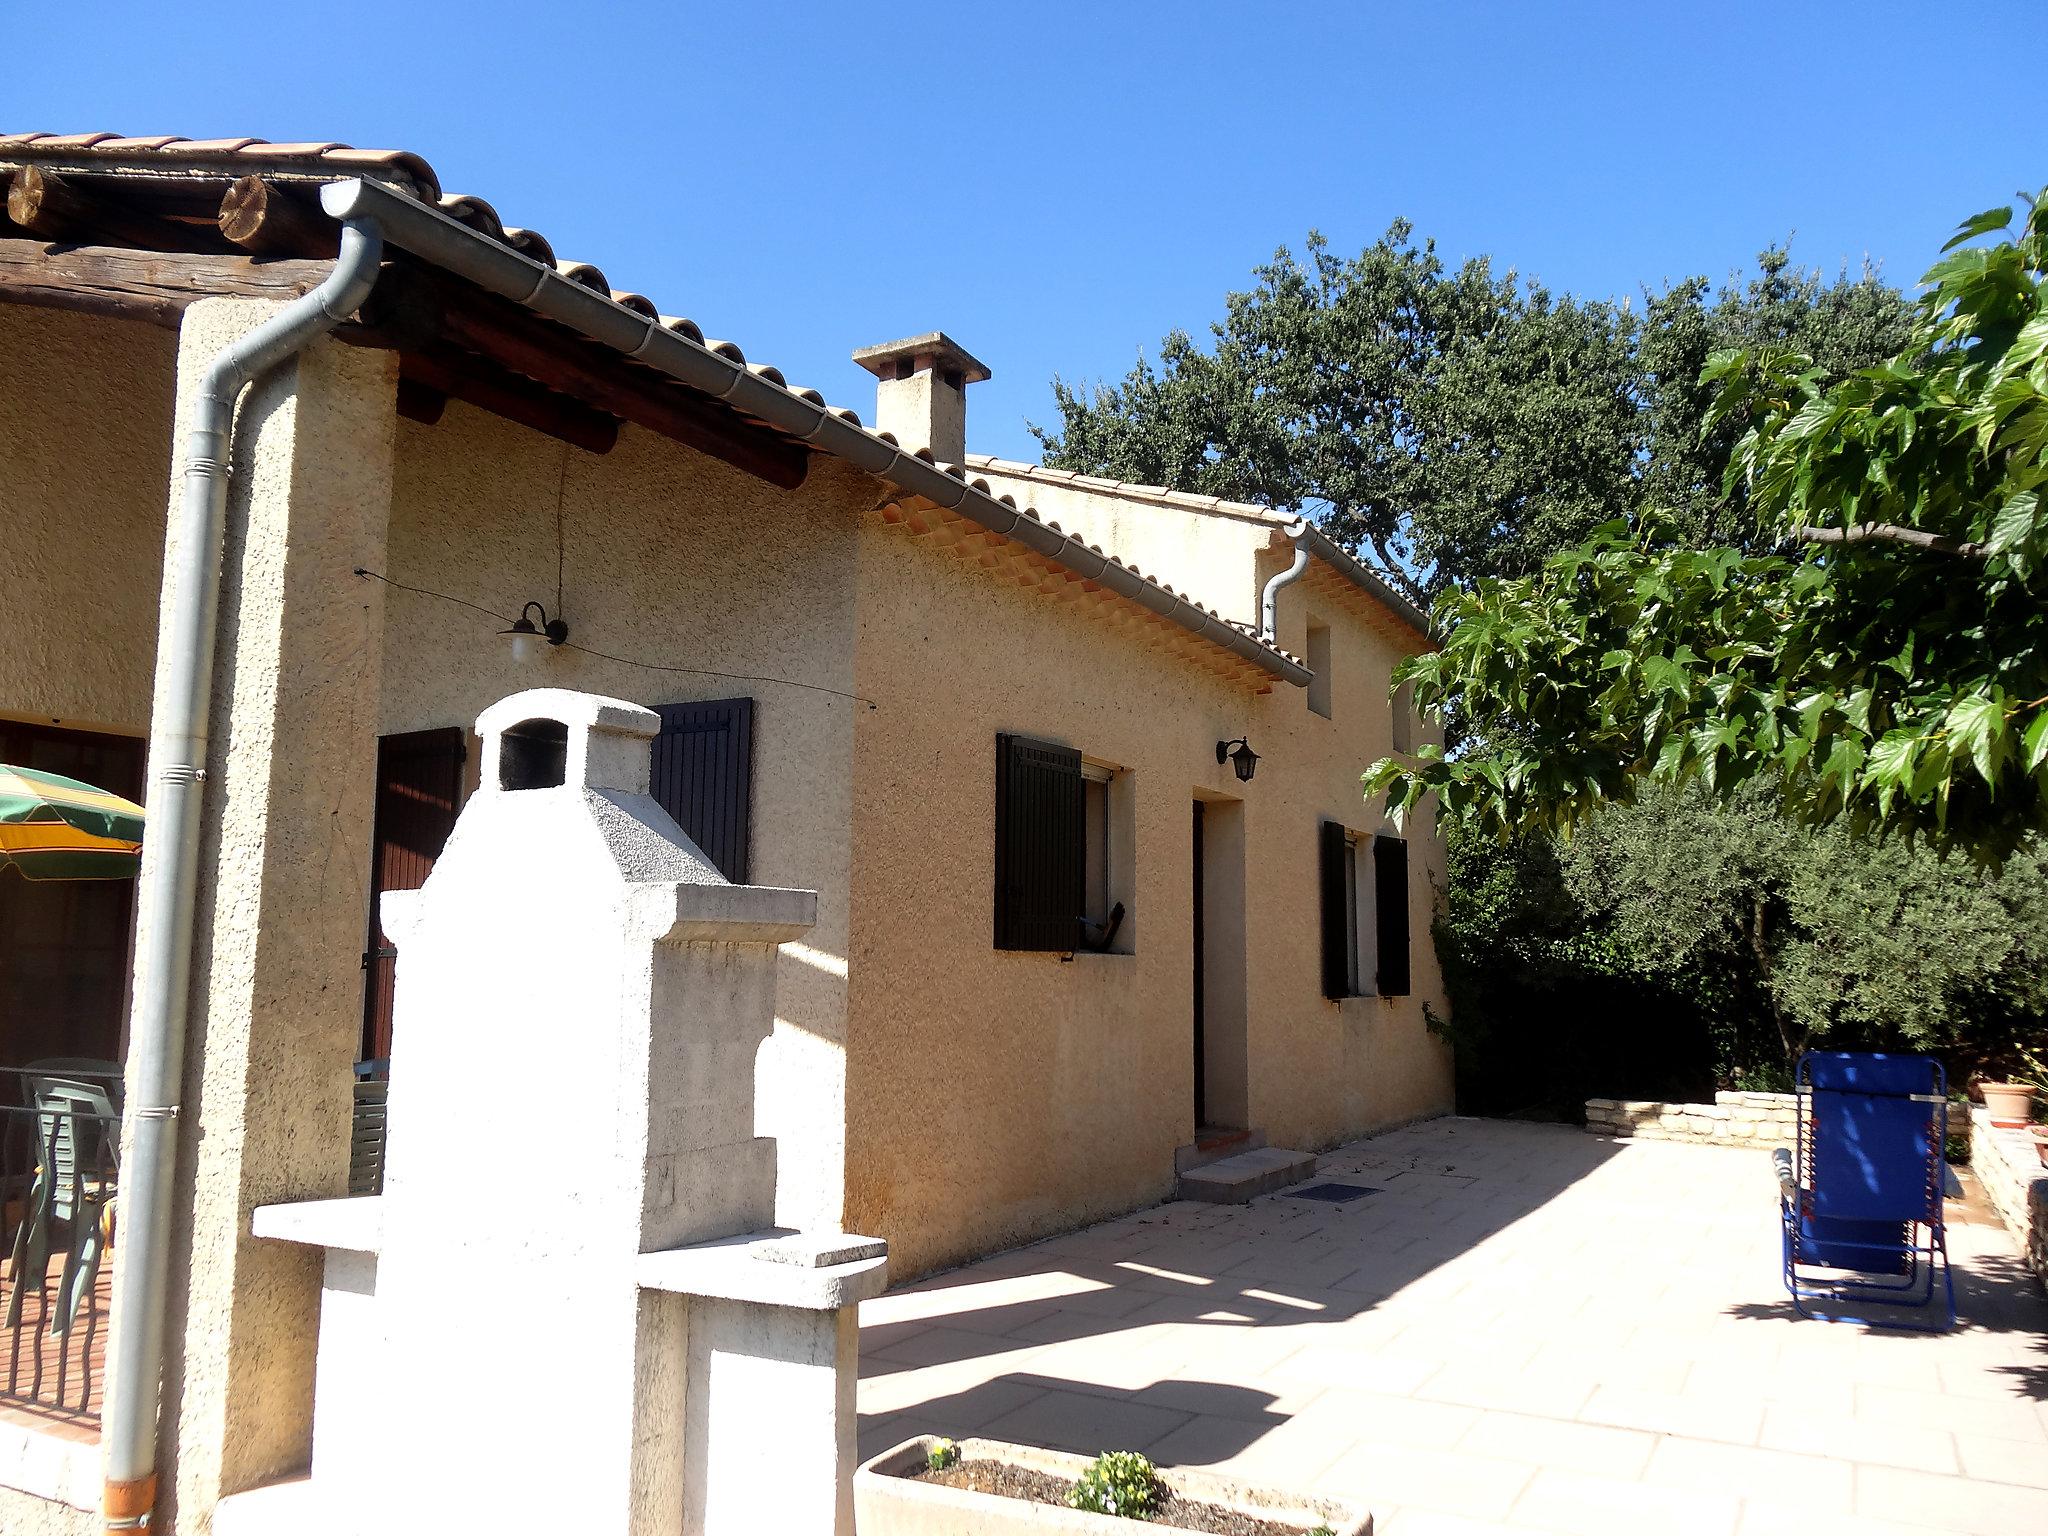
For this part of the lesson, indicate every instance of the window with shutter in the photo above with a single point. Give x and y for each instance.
(419, 791)
(1390, 881)
(1041, 844)
(1339, 930)
(703, 775)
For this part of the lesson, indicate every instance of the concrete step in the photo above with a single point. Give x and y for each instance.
(1246, 1175)
(1214, 1143)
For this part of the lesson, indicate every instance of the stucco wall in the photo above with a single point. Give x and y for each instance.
(85, 438)
(995, 1096)
(1208, 557)
(671, 559)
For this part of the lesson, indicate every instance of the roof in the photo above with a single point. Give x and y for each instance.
(464, 235)
(1346, 564)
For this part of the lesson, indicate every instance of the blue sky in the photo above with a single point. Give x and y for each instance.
(1057, 185)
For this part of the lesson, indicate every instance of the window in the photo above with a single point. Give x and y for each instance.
(1404, 718)
(702, 773)
(1064, 849)
(1097, 863)
(1365, 913)
(1319, 664)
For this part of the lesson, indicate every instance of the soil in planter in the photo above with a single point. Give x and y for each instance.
(1000, 1477)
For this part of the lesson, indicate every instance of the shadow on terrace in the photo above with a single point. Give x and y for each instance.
(1179, 1294)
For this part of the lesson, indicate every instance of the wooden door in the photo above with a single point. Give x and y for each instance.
(419, 791)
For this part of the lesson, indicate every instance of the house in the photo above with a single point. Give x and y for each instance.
(1093, 870)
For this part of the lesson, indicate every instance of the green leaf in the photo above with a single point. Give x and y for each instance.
(2014, 524)
(2034, 744)
(1980, 224)
(1976, 726)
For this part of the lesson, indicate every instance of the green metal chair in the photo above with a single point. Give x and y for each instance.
(76, 1180)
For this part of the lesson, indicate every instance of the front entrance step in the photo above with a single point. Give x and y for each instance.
(1212, 1144)
(1247, 1175)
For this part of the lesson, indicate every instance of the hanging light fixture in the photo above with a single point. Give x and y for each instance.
(1240, 756)
(526, 634)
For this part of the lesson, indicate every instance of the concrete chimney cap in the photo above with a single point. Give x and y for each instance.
(934, 349)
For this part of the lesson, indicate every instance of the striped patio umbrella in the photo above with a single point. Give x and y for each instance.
(54, 828)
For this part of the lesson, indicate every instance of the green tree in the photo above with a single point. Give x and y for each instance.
(1855, 322)
(1746, 937)
(1882, 663)
(1451, 425)
(1441, 423)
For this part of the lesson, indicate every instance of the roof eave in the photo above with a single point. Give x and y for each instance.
(435, 237)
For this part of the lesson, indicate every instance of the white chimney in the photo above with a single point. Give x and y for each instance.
(921, 400)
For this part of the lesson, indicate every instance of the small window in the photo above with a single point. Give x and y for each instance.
(1063, 849)
(1095, 831)
(1404, 718)
(1365, 913)
(1390, 916)
(1319, 664)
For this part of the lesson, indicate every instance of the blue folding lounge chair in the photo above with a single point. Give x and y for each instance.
(1862, 1206)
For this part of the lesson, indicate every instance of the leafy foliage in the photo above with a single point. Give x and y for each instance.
(1883, 664)
(1429, 418)
(1454, 424)
(1117, 1483)
(1747, 937)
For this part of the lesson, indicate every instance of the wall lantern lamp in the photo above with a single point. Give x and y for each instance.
(1240, 756)
(526, 635)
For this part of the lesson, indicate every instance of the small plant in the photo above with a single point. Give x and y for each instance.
(941, 1454)
(1117, 1483)
(1322, 1530)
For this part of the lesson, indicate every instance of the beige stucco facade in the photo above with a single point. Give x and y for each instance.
(993, 1096)
(923, 1085)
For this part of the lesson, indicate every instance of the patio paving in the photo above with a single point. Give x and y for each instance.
(1526, 1329)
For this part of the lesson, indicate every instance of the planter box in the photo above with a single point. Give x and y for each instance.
(888, 1501)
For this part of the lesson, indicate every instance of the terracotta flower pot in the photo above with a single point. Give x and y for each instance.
(2011, 1105)
(2040, 1135)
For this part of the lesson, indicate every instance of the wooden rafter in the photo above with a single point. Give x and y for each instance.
(150, 286)
(415, 310)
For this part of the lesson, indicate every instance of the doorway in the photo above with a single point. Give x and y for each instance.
(1221, 1065)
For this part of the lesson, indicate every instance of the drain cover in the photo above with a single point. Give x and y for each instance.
(1332, 1194)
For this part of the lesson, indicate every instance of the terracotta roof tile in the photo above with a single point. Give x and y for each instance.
(397, 165)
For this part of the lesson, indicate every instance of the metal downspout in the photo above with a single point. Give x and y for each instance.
(1269, 603)
(163, 962)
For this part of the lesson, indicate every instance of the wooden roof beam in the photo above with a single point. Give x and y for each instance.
(51, 208)
(142, 285)
(419, 311)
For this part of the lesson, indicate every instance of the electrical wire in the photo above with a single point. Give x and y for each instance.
(624, 661)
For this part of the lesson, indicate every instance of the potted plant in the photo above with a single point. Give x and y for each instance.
(930, 1486)
(2011, 1105)
(2010, 1102)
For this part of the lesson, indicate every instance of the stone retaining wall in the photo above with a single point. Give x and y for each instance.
(1732, 1120)
(2015, 1183)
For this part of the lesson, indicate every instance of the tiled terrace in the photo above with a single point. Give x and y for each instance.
(1526, 1329)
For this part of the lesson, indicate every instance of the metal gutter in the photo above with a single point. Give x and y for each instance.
(454, 247)
(1352, 569)
(1269, 600)
(178, 734)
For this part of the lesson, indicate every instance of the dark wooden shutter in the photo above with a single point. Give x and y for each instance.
(1334, 847)
(1390, 909)
(419, 792)
(704, 777)
(1041, 865)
